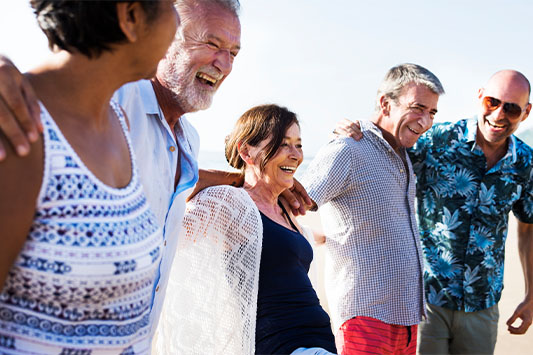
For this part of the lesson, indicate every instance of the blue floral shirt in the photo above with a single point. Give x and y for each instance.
(463, 210)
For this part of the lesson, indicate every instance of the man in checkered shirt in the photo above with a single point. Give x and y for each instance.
(365, 190)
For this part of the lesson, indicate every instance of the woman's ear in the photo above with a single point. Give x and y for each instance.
(244, 152)
(131, 18)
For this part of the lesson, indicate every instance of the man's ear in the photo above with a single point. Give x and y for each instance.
(384, 105)
(131, 18)
(480, 93)
(526, 114)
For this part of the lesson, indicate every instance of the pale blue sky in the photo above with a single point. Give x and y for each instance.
(324, 59)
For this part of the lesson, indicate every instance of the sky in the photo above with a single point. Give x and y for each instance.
(324, 60)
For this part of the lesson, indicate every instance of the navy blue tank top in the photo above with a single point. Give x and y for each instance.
(289, 315)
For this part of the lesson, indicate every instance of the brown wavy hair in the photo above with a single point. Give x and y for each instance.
(255, 125)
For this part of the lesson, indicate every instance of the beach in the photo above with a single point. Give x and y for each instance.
(513, 292)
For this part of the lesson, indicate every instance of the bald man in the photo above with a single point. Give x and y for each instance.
(470, 175)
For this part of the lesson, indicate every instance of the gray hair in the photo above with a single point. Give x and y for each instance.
(399, 76)
(186, 6)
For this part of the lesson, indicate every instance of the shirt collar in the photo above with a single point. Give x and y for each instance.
(148, 98)
(470, 136)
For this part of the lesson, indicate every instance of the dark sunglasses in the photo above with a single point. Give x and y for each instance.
(512, 110)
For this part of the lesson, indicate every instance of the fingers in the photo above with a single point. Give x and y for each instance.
(302, 194)
(12, 131)
(19, 110)
(292, 200)
(523, 327)
(348, 128)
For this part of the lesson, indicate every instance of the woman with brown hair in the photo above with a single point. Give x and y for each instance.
(240, 275)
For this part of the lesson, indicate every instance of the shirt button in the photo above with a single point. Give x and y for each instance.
(165, 243)
(172, 148)
(157, 289)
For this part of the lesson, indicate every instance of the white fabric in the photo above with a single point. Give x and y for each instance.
(212, 295)
(157, 150)
(373, 254)
(84, 279)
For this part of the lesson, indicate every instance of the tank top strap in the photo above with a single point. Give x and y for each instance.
(288, 216)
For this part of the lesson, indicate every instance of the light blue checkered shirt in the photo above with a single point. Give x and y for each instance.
(374, 259)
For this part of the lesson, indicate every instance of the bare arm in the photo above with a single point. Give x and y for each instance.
(19, 110)
(208, 178)
(524, 311)
(21, 180)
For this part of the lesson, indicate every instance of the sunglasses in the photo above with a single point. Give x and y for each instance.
(512, 110)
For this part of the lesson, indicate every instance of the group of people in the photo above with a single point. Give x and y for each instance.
(97, 225)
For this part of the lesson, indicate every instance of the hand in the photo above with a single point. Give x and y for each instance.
(524, 311)
(347, 128)
(297, 198)
(19, 111)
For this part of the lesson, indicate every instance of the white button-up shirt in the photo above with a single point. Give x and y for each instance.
(373, 254)
(156, 152)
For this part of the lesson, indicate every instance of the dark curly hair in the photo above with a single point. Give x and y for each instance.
(88, 27)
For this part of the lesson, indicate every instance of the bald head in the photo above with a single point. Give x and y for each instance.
(504, 103)
(509, 82)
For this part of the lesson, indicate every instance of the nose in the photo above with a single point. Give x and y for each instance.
(426, 121)
(499, 113)
(296, 153)
(224, 61)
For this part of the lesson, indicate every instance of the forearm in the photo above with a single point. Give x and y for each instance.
(210, 177)
(525, 250)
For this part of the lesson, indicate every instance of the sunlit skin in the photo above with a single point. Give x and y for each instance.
(403, 121)
(494, 128)
(200, 58)
(278, 174)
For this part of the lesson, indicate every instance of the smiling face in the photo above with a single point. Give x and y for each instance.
(279, 171)
(201, 57)
(495, 126)
(407, 118)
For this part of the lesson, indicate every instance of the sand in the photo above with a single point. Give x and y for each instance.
(513, 292)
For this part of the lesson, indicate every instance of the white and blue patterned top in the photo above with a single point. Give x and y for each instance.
(83, 282)
(373, 253)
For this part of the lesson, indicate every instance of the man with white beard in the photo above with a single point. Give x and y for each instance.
(166, 145)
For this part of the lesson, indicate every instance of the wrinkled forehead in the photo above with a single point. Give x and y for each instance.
(213, 21)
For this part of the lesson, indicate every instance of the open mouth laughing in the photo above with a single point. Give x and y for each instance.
(495, 125)
(288, 169)
(207, 79)
(412, 130)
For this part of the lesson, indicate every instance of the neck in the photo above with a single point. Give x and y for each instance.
(260, 191)
(169, 105)
(64, 79)
(493, 151)
(379, 121)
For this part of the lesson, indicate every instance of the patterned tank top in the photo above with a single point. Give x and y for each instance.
(84, 280)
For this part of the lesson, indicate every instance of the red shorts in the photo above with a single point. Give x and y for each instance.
(365, 335)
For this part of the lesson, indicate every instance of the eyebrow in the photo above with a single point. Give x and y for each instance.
(216, 38)
(424, 106)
